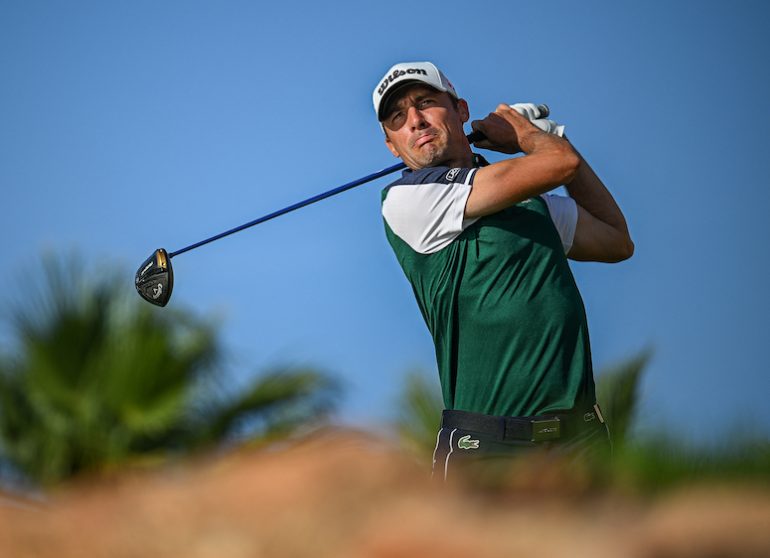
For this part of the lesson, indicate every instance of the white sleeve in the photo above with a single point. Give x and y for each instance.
(564, 215)
(428, 217)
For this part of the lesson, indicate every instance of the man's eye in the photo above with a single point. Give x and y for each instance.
(396, 119)
(426, 102)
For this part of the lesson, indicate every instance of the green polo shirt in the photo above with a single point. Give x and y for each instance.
(502, 306)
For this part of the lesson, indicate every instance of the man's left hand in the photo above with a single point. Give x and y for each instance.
(532, 112)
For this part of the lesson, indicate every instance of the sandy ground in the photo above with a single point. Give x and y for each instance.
(343, 494)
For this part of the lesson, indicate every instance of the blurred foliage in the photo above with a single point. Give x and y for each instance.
(419, 413)
(97, 378)
(646, 463)
(659, 460)
(617, 391)
(656, 463)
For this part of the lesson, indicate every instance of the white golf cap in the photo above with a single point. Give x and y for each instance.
(409, 72)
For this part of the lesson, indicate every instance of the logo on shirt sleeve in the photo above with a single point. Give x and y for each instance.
(452, 174)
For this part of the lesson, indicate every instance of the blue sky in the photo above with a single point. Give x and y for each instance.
(127, 126)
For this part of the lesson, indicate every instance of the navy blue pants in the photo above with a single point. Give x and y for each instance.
(459, 449)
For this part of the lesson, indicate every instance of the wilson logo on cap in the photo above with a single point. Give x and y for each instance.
(397, 74)
(406, 72)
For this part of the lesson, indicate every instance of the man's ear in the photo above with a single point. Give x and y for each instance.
(462, 108)
(391, 146)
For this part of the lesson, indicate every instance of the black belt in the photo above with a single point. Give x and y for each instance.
(532, 429)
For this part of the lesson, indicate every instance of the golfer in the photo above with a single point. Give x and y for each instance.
(485, 248)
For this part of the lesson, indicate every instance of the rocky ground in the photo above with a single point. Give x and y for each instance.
(343, 494)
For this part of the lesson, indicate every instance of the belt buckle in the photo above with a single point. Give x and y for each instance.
(546, 429)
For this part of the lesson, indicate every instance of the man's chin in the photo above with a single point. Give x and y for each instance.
(431, 157)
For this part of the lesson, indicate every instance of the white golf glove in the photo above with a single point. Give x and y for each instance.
(532, 112)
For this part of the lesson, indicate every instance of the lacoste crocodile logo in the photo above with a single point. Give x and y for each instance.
(466, 443)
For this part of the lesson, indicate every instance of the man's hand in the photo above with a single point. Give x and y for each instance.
(549, 161)
(506, 131)
(531, 112)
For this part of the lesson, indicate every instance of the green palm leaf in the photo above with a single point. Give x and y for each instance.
(618, 393)
(96, 380)
(419, 413)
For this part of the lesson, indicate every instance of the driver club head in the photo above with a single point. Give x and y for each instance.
(155, 279)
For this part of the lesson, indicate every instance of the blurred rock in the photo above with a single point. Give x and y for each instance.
(345, 494)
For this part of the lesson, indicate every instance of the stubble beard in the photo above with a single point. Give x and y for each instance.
(433, 153)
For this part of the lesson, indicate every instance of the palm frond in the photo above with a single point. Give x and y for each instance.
(618, 394)
(96, 379)
(419, 413)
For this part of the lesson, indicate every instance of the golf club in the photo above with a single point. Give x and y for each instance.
(154, 280)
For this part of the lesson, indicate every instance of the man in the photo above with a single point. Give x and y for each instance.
(486, 253)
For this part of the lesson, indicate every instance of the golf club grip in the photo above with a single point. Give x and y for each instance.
(476, 136)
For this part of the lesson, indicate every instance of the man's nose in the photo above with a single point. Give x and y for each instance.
(415, 118)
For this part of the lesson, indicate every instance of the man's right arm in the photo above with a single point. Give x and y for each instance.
(548, 162)
(601, 234)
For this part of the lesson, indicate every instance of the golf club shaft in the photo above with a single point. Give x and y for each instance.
(319, 197)
(473, 137)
